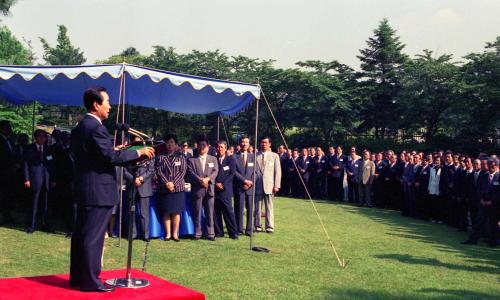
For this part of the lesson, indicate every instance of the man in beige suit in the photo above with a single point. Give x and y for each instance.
(366, 175)
(267, 183)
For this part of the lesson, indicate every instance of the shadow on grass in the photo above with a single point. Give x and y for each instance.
(429, 293)
(441, 237)
(415, 260)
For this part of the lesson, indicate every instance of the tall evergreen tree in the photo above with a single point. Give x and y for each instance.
(381, 64)
(64, 53)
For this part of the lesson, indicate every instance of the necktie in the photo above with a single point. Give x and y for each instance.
(476, 174)
(202, 158)
(491, 178)
(245, 159)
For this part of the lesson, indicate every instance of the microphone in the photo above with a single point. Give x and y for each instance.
(126, 128)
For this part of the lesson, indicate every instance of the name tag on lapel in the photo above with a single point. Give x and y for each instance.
(368, 167)
(250, 164)
(210, 165)
(356, 165)
(495, 182)
(225, 168)
(307, 162)
(341, 159)
(49, 157)
(177, 163)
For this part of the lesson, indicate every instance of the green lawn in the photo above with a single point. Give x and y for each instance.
(389, 257)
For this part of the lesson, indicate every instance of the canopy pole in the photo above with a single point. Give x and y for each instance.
(254, 170)
(225, 132)
(33, 118)
(119, 101)
(342, 262)
(120, 206)
(218, 127)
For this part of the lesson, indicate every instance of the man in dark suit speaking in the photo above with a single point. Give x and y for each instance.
(95, 187)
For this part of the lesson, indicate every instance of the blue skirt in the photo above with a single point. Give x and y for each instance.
(171, 203)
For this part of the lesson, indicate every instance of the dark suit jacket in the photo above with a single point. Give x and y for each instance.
(146, 171)
(38, 171)
(95, 161)
(339, 161)
(477, 188)
(284, 160)
(243, 172)
(305, 166)
(226, 176)
(7, 155)
(423, 178)
(64, 166)
(353, 166)
(493, 190)
(449, 175)
(321, 165)
(195, 173)
(391, 173)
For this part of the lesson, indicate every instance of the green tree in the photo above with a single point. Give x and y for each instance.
(12, 51)
(430, 89)
(129, 55)
(5, 6)
(21, 116)
(381, 64)
(64, 53)
(479, 128)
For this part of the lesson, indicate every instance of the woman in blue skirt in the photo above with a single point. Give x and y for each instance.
(171, 170)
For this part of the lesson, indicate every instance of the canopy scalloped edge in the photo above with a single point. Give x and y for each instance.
(136, 72)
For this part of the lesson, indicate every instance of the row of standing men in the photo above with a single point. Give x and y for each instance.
(441, 186)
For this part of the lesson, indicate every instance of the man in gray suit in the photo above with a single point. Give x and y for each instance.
(366, 175)
(144, 190)
(267, 183)
(202, 171)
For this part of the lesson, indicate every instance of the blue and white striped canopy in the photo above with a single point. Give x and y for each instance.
(142, 86)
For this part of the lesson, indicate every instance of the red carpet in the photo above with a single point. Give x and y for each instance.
(57, 287)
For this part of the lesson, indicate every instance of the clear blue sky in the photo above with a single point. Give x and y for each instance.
(284, 30)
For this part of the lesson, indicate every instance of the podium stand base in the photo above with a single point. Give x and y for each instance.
(133, 283)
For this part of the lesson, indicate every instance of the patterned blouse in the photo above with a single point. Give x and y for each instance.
(171, 168)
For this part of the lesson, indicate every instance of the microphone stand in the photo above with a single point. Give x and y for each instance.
(128, 281)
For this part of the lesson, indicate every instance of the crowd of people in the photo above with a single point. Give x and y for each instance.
(443, 187)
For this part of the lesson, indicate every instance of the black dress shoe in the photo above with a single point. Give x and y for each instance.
(248, 233)
(234, 237)
(212, 239)
(176, 239)
(146, 239)
(101, 289)
(30, 230)
(195, 238)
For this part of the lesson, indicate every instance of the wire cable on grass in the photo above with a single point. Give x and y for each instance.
(342, 262)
